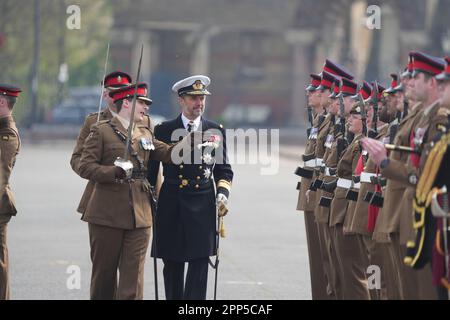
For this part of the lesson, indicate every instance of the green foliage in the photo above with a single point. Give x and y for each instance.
(83, 50)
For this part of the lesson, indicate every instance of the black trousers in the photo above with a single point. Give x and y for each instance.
(196, 279)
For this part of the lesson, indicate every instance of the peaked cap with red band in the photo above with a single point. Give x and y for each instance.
(327, 81)
(315, 82)
(394, 84)
(445, 75)
(9, 90)
(336, 70)
(117, 79)
(349, 88)
(364, 91)
(128, 93)
(426, 63)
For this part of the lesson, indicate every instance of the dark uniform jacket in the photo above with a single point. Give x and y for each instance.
(186, 215)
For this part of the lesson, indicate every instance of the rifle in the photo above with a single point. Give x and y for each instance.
(405, 109)
(392, 132)
(363, 115)
(374, 100)
(341, 142)
(398, 115)
(310, 118)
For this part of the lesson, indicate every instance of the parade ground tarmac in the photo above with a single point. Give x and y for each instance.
(263, 256)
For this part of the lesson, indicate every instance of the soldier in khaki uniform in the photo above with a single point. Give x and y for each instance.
(435, 175)
(325, 246)
(418, 132)
(9, 148)
(353, 277)
(324, 197)
(307, 204)
(119, 209)
(387, 228)
(365, 215)
(112, 81)
(329, 73)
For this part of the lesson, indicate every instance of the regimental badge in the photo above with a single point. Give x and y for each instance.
(413, 179)
(207, 173)
(329, 141)
(207, 158)
(147, 144)
(198, 85)
(119, 79)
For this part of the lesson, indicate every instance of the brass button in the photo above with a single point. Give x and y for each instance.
(184, 182)
(180, 176)
(181, 186)
(198, 177)
(181, 166)
(197, 186)
(200, 167)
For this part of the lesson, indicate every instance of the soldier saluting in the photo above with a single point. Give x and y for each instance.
(119, 209)
(9, 148)
(186, 216)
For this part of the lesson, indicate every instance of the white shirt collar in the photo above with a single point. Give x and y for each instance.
(186, 121)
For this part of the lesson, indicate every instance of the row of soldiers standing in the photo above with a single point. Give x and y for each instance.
(367, 180)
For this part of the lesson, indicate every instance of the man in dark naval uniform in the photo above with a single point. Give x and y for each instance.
(185, 227)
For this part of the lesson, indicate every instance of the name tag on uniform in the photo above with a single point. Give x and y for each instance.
(147, 144)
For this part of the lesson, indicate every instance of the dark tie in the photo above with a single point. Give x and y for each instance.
(190, 126)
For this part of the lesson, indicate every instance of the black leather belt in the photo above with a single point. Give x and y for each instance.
(138, 175)
(186, 183)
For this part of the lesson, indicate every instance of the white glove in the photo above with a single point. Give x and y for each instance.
(221, 198)
(221, 202)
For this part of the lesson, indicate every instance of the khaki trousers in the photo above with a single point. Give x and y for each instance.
(115, 250)
(352, 265)
(316, 267)
(4, 264)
